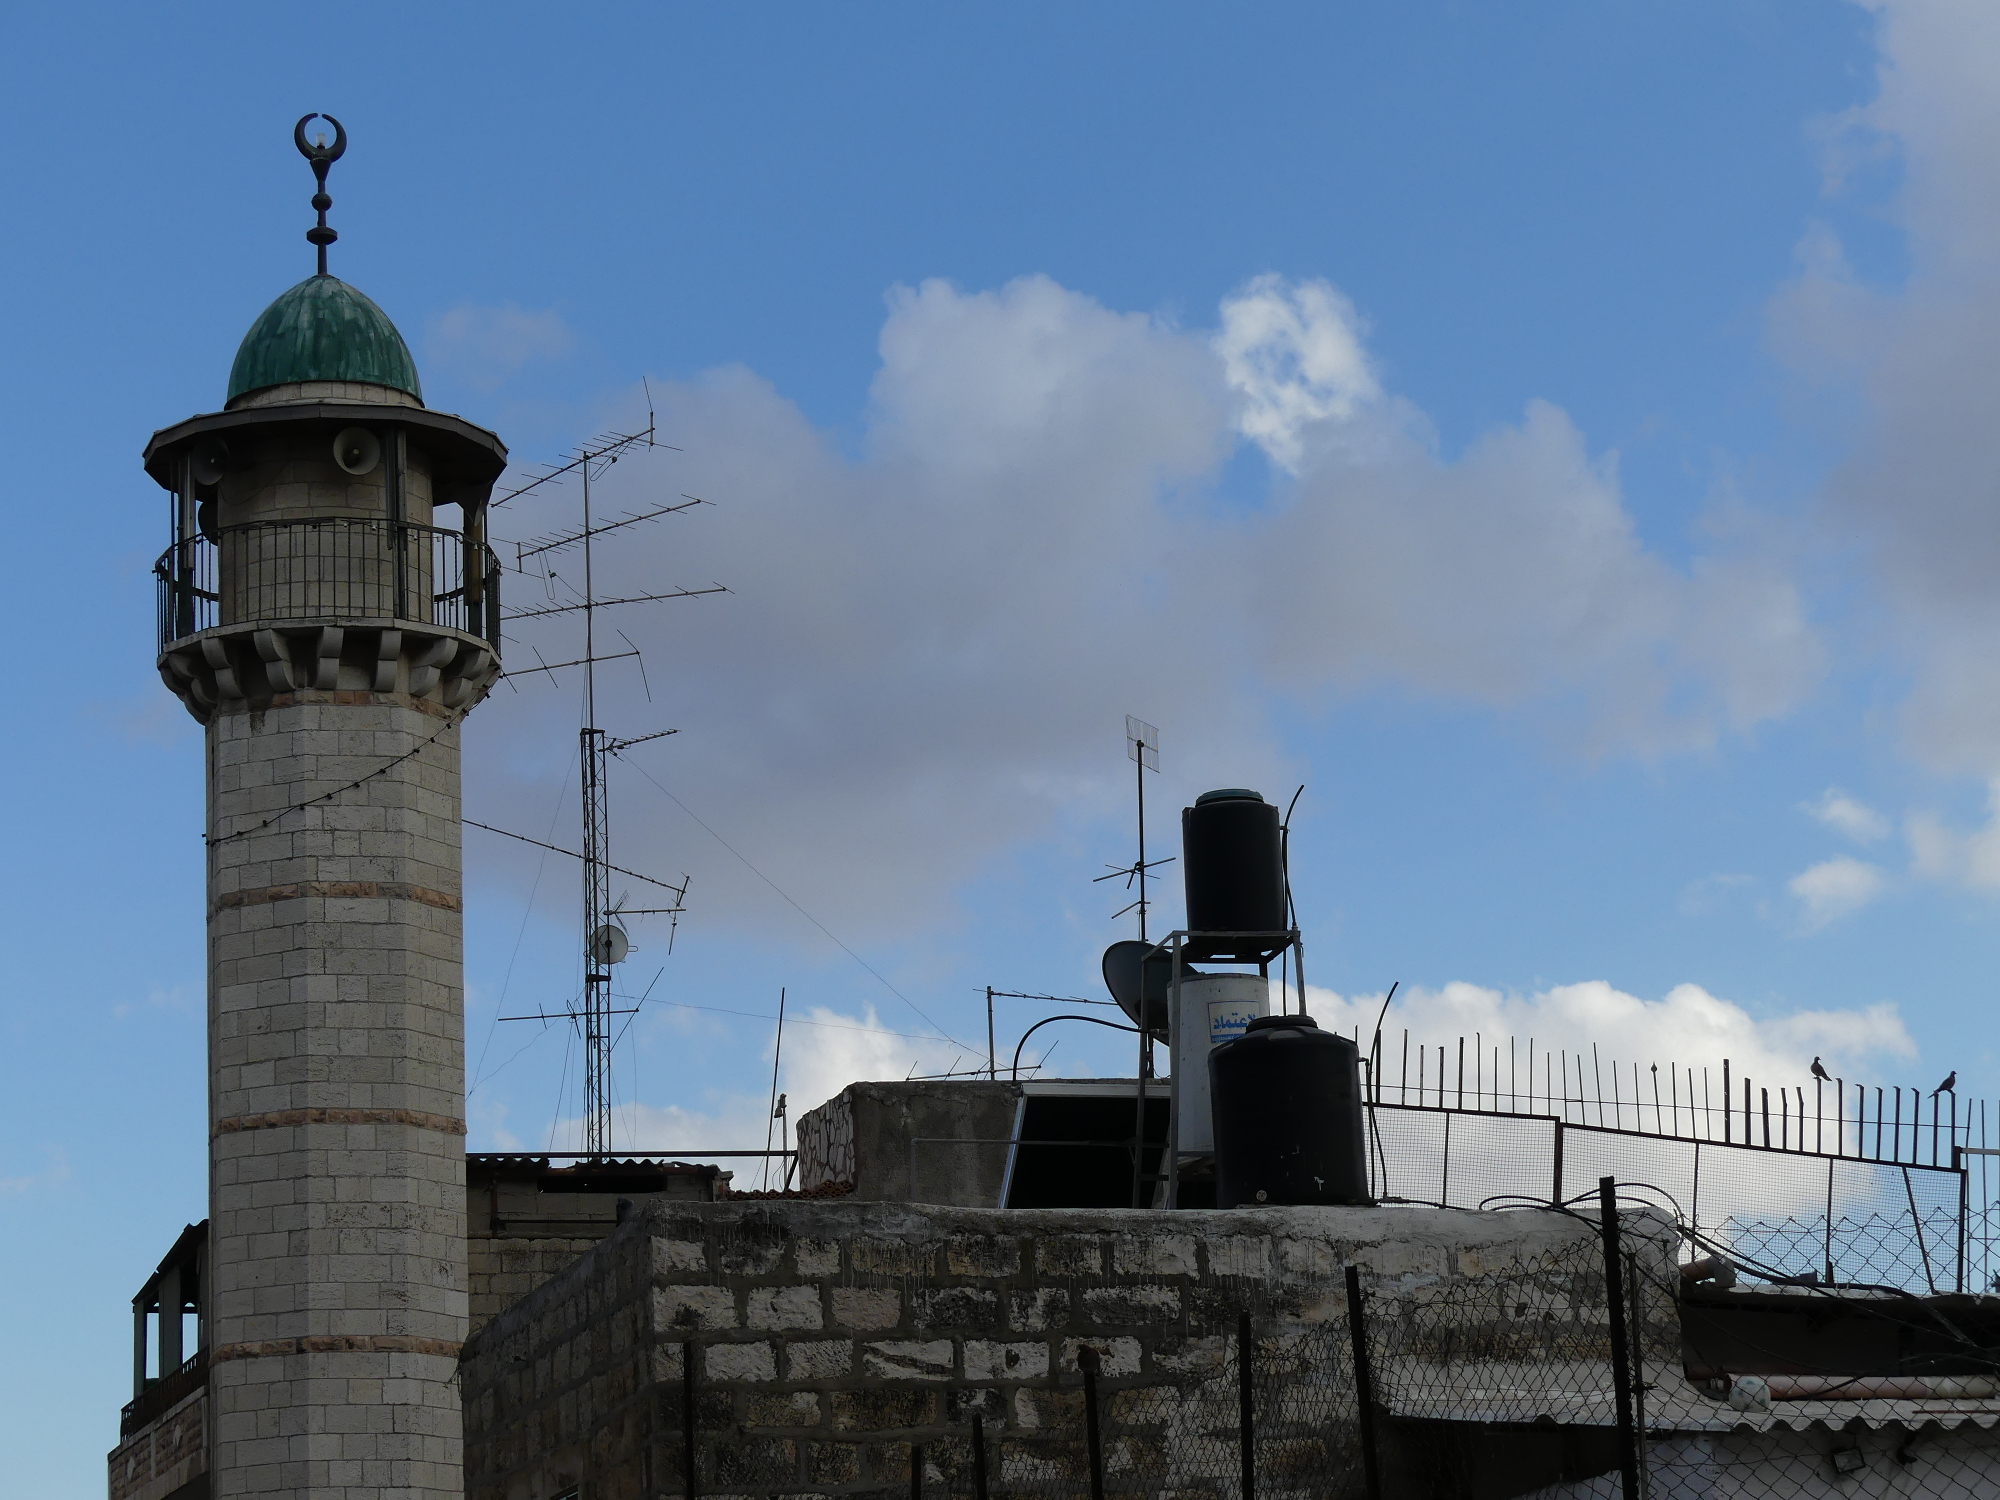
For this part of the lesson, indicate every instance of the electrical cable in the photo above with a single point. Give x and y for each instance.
(1093, 1020)
(507, 982)
(384, 769)
(942, 1034)
(753, 1015)
(558, 849)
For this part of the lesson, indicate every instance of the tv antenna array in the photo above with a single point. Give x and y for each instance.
(1142, 748)
(606, 942)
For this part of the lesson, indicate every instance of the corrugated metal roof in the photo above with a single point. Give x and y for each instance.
(1579, 1394)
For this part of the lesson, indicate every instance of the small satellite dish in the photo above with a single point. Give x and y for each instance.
(1129, 975)
(211, 460)
(609, 945)
(357, 450)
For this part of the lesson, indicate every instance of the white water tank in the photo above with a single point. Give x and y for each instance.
(1214, 1008)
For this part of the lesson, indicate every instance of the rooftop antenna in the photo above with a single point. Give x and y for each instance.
(605, 940)
(320, 156)
(777, 1053)
(1142, 748)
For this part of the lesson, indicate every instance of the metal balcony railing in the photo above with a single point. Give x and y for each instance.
(330, 569)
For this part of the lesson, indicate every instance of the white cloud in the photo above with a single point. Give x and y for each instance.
(1688, 1027)
(1905, 369)
(486, 1117)
(484, 346)
(1835, 888)
(172, 997)
(841, 1049)
(1514, 575)
(1294, 355)
(1712, 893)
(1855, 819)
(1615, 1049)
(1940, 852)
(52, 1175)
(931, 643)
(825, 1050)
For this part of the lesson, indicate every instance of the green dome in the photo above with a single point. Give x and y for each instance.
(322, 329)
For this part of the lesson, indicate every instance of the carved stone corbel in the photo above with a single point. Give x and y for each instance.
(236, 667)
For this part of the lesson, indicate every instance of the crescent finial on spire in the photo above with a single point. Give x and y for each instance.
(320, 156)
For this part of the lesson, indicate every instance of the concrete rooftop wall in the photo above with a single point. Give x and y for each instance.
(829, 1335)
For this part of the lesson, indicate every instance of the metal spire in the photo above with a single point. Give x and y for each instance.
(321, 156)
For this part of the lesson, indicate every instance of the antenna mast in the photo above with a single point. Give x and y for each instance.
(1142, 743)
(605, 941)
(1142, 746)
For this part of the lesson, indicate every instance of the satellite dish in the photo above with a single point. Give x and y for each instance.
(609, 945)
(357, 450)
(1129, 975)
(211, 459)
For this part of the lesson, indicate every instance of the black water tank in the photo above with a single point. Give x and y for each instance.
(1287, 1102)
(1233, 864)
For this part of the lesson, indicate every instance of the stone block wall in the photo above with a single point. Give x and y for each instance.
(337, 1077)
(828, 1336)
(500, 1272)
(167, 1453)
(870, 1136)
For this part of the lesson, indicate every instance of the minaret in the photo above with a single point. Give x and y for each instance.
(329, 629)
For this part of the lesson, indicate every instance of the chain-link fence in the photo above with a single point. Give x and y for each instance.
(1518, 1119)
(1665, 1378)
(1828, 1218)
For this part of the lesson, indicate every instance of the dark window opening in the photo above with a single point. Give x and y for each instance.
(1093, 1175)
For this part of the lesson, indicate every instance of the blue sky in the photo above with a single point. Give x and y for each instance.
(1558, 435)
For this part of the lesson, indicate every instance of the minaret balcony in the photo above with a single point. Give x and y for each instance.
(329, 604)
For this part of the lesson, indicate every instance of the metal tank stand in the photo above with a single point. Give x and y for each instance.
(1183, 947)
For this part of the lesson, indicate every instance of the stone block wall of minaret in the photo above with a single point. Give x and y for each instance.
(337, 1089)
(330, 636)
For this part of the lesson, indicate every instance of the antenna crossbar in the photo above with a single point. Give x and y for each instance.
(600, 452)
(581, 661)
(525, 550)
(565, 609)
(658, 734)
(565, 1015)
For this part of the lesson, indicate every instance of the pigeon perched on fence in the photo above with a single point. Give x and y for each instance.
(1819, 1072)
(1949, 1086)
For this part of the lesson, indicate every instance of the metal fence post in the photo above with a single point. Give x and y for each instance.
(916, 1471)
(978, 1457)
(1635, 1309)
(1093, 1441)
(1958, 1166)
(1621, 1363)
(687, 1420)
(1364, 1384)
(1246, 1413)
